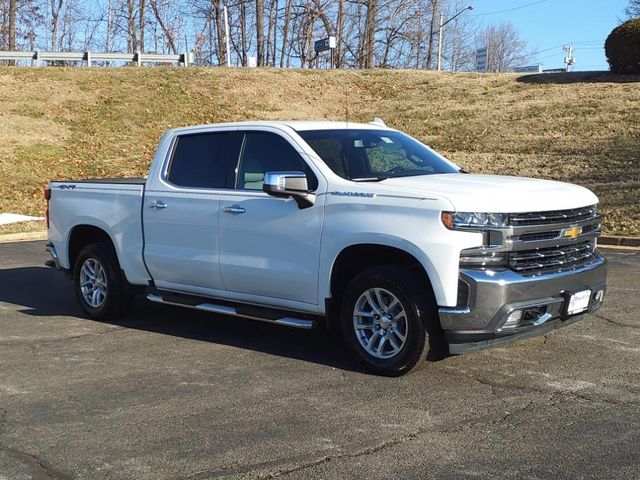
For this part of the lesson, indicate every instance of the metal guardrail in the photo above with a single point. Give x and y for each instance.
(184, 59)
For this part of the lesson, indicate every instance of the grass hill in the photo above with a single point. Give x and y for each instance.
(78, 122)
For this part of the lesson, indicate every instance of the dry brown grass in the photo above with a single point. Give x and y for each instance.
(583, 128)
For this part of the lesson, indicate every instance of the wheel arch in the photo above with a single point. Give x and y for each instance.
(355, 258)
(82, 235)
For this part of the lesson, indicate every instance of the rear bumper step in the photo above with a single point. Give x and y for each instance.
(250, 312)
(55, 260)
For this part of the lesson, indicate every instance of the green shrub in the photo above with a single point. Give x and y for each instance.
(623, 47)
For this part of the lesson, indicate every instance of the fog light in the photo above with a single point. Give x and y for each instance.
(599, 296)
(493, 259)
(512, 320)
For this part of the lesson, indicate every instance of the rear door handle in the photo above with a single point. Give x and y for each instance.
(159, 204)
(234, 209)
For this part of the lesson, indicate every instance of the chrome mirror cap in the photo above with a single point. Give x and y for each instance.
(289, 184)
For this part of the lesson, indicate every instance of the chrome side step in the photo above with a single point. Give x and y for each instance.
(227, 310)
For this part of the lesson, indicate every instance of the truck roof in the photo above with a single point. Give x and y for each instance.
(298, 125)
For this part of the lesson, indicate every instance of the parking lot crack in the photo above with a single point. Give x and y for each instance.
(46, 341)
(574, 394)
(41, 470)
(615, 322)
(3, 419)
(359, 453)
(296, 467)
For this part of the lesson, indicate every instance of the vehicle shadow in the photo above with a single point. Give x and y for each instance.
(44, 292)
(577, 77)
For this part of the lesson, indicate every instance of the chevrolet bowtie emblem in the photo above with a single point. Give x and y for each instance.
(573, 232)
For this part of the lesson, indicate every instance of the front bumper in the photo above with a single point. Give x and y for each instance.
(489, 297)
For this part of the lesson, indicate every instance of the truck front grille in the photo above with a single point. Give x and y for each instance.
(553, 259)
(553, 241)
(536, 243)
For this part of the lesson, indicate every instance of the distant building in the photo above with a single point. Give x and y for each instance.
(482, 57)
(528, 69)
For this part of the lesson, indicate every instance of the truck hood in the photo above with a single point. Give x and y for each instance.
(495, 193)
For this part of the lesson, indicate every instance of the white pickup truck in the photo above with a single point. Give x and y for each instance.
(355, 227)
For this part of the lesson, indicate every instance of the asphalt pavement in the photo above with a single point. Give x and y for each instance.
(168, 393)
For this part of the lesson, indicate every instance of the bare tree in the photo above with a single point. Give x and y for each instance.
(260, 32)
(505, 48)
(339, 34)
(169, 34)
(132, 32)
(4, 24)
(12, 24)
(285, 33)
(107, 42)
(56, 7)
(459, 47)
(272, 33)
(633, 9)
(141, 24)
(244, 40)
(369, 33)
(221, 47)
(434, 10)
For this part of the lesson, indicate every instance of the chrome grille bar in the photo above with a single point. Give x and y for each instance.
(564, 257)
(541, 242)
(555, 216)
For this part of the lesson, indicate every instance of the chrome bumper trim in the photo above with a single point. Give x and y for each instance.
(493, 295)
(50, 247)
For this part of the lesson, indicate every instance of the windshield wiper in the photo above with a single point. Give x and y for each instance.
(369, 179)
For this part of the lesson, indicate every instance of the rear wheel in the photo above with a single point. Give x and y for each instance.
(383, 317)
(98, 283)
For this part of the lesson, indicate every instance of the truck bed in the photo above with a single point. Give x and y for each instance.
(110, 204)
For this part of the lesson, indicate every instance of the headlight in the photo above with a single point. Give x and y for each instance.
(473, 220)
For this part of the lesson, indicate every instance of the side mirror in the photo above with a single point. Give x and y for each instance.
(289, 184)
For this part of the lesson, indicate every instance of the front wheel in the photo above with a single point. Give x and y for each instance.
(98, 282)
(383, 318)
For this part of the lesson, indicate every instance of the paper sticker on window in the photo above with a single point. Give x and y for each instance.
(358, 143)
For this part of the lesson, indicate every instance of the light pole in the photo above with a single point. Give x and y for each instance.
(442, 24)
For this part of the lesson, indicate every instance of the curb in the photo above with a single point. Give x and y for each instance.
(23, 237)
(630, 242)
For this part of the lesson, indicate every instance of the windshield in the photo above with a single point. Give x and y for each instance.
(372, 155)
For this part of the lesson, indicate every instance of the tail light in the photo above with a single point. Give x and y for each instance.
(47, 196)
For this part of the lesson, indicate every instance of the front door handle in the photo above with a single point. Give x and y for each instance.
(234, 209)
(159, 204)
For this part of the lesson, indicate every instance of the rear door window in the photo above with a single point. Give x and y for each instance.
(205, 160)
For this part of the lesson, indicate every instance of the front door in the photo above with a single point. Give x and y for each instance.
(269, 247)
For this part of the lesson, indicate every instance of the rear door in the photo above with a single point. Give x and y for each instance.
(269, 247)
(180, 211)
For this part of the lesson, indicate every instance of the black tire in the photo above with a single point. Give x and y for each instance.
(420, 315)
(114, 301)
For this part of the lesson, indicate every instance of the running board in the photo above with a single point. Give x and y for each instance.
(228, 310)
